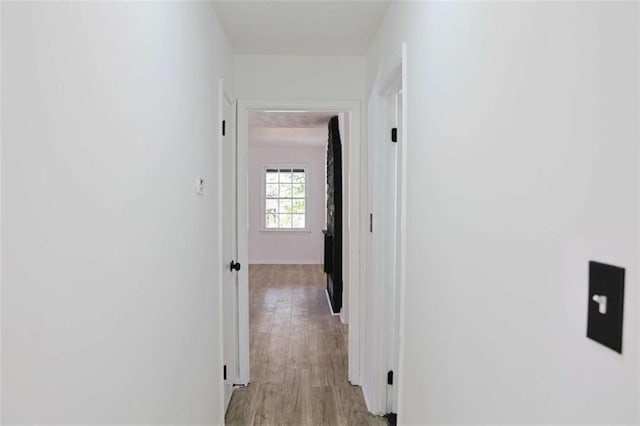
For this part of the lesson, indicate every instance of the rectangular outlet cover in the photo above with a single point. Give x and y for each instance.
(606, 302)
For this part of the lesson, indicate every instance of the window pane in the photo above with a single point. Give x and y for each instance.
(298, 190)
(285, 175)
(272, 221)
(298, 206)
(284, 206)
(285, 221)
(272, 206)
(272, 176)
(272, 190)
(285, 201)
(285, 190)
(298, 177)
(297, 221)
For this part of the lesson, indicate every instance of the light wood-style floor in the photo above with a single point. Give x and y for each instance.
(298, 355)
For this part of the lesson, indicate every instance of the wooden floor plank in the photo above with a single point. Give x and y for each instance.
(298, 354)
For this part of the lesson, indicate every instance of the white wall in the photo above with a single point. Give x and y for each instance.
(299, 77)
(287, 247)
(109, 299)
(522, 167)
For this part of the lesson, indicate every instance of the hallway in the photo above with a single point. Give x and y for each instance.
(298, 354)
(170, 184)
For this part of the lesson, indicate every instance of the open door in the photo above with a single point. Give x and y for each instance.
(229, 249)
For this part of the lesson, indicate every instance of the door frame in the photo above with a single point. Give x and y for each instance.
(393, 242)
(402, 246)
(223, 95)
(229, 141)
(352, 278)
(379, 345)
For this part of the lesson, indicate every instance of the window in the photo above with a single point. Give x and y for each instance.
(285, 198)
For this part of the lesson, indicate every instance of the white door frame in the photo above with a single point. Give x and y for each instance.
(379, 345)
(393, 239)
(352, 278)
(402, 247)
(222, 260)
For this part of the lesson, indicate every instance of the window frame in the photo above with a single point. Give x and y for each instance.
(263, 198)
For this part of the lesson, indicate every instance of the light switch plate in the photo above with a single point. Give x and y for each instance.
(606, 304)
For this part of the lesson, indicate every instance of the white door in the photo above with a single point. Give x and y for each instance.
(229, 250)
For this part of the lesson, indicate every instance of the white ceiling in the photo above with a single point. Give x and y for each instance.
(289, 119)
(308, 27)
(289, 128)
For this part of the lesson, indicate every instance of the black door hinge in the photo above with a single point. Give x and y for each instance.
(224, 372)
(390, 377)
(394, 134)
(224, 127)
(371, 222)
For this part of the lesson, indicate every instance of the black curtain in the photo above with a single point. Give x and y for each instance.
(333, 233)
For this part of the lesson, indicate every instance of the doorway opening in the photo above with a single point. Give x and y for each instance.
(352, 199)
(287, 333)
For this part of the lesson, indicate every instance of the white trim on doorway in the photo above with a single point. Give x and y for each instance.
(386, 244)
(222, 96)
(352, 276)
(402, 284)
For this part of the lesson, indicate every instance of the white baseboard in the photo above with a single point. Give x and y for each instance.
(366, 401)
(284, 262)
(343, 316)
(329, 302)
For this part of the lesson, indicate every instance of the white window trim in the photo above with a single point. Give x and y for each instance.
(307, 197)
